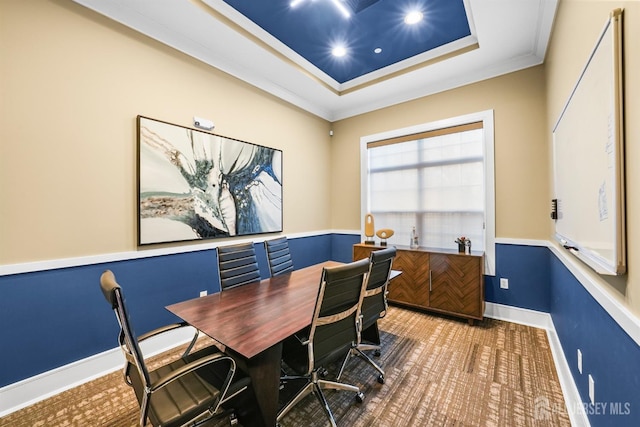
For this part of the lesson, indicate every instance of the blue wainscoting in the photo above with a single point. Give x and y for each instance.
(55, 317)
(306, 251)
(609, 354)
(527, 269)
(538, 280)
(342, 246)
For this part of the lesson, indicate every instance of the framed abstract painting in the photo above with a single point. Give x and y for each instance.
(196, 185)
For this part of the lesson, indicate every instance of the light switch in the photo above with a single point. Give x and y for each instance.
(579, 361)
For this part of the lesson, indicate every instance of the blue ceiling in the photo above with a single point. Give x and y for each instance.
(313, 27)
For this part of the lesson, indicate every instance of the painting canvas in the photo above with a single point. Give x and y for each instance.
(197, 185)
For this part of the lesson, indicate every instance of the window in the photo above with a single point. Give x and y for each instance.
(436, 177)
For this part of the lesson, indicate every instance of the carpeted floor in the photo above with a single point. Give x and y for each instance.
(439, 372)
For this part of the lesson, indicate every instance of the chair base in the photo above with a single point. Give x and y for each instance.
(359, 351)
(315, 386)
(208, 416)
(367, 347)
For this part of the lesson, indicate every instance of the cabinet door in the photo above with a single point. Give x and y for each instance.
(412, 286)
(456, 282)
(362, 252)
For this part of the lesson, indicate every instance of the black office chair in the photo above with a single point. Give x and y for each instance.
(278, 256)
(237, 265)
(333, 332)
(196, 387)
(374, 307)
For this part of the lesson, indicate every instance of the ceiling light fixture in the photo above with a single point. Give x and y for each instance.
(377, 50)
(341, 7)
(339, 51)
(413, 17)
(337, 3)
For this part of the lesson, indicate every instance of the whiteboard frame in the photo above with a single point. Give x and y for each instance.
(594, 260)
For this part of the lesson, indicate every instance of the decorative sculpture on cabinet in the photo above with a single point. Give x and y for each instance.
(368, 229)
(384, 234)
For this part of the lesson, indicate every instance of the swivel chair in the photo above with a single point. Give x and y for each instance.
(333, 332)
(374, 307)
(194, 388)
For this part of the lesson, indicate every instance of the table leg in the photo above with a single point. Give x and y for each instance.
(264, 370)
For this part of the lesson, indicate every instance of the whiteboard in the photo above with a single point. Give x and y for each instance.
(588, 149)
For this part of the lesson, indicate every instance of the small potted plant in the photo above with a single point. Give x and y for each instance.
(463, 242)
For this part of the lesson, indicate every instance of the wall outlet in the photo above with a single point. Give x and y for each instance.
(579, 361)
(592, 390)
(203, 293)
(504, 283)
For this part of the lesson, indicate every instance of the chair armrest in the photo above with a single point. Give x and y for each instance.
(171, 327)
(305, 342)
(192, 366)
(303, 336)
(162, 330)
(302, 339)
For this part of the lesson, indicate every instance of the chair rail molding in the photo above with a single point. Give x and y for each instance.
(53, 264)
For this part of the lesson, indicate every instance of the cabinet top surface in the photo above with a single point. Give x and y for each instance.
(422, 249)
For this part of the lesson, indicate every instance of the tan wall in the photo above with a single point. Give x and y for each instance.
(72, 84)
(576, 30)
(521, 152)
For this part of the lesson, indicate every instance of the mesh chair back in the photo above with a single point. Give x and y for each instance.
(334, 325)
(237, 265)
(374, 303)
(278, 256)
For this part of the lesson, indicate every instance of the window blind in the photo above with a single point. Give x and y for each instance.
(433, 181)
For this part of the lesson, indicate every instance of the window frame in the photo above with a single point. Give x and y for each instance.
(487, 119)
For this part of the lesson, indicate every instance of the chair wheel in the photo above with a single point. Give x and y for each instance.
(381, 379)
(360, 397)
(377, 353)
(233, 420)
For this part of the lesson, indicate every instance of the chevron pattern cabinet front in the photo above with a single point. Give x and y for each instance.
(444, 281)
(411, 288)
(457, 284)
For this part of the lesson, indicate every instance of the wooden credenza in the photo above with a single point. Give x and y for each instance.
(444, 281)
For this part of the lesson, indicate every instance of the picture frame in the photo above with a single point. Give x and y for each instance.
(196, 185)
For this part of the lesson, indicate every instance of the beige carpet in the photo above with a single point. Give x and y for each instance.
(439, 372)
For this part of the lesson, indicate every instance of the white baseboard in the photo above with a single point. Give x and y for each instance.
(34, 389)
(523, 316)
(539, 319)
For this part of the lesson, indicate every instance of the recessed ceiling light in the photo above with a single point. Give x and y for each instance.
(377, 50)
(339, 51)
(413, 17)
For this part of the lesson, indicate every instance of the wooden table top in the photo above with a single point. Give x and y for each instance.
(251, 318)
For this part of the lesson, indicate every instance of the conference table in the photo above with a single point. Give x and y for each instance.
(253, 320)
